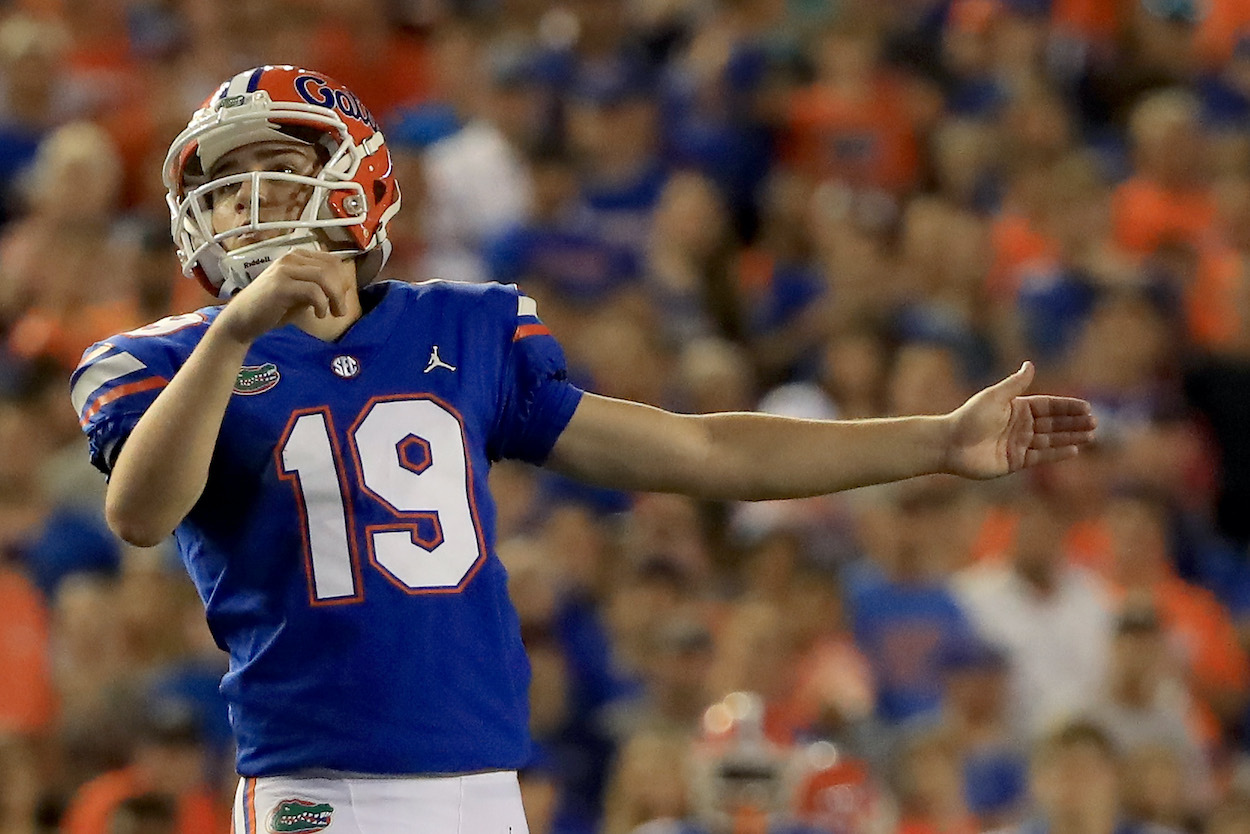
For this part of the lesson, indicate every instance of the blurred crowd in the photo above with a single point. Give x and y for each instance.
(820, 208)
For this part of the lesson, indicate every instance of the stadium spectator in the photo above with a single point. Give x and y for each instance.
(834, 694)
(1168, 200)
(556, 249)
(475, 181)
(648, 782)
(852, 125)
(975, 715)
(690, 270)
(1230, 817)
(150, 813)
(785, 297)
(1075, 782)
(1052, 618)
(36, 98)
(1146, 705)
(46, 309)
(926, 373)
(1201, 630)
(371, 48)
(905, 617)
(716, 94)
(674, 685)
(1122, 361)
(1055, 290)
(754, 654)
(1156, 784)
(929, 783)
(614, 132)
(168, 759)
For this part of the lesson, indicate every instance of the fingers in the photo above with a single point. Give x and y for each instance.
(1035, 456)
(300, 294)
(1076, 423)
(1053, 440)
(331, 287)
(1042, 405)
(324, 269)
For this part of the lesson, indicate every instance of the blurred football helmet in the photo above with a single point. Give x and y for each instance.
(739, 779)
(353, 193)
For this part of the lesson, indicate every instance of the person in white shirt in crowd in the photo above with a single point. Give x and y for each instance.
(1051, 617)
(476, 181)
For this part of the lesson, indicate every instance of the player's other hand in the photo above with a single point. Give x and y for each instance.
(999, 430)
(298, 281)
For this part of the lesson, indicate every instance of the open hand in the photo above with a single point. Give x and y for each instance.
(999, 430)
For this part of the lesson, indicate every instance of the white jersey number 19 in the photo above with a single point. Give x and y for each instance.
(412, 461)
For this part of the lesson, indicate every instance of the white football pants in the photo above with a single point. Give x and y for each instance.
(479, 803)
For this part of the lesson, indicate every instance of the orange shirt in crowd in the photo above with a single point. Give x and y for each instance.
(64, 336)
(1226, 21)
(1206, 633)
(1090, 20)
(917, 825)
(139, 136)
(27, 699)
(1216, 304)
(1016, 242)
(394, 75)
(1087, 542)
(1211, 651)
(1145, 215)
(1219, 29)
(93, 806)
(864, 142)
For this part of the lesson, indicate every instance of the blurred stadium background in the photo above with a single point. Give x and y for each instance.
(813, 207)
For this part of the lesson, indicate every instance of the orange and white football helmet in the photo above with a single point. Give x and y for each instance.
(353, 194)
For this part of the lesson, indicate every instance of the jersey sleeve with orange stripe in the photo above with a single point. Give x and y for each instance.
(536, 397)
(118, 379)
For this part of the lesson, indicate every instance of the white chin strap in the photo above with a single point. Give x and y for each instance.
(241, 267)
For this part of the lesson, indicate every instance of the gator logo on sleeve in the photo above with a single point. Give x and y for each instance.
(256, 379)
(297, 816)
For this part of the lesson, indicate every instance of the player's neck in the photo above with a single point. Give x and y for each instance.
(331, 327)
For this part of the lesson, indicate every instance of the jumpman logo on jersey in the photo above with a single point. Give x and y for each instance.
(436, 362)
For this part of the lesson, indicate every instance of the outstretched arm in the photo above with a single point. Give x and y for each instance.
(757, 456)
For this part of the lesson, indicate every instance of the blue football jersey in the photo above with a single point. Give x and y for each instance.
(344, 542)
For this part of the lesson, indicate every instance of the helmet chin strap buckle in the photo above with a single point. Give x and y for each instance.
(242, 266)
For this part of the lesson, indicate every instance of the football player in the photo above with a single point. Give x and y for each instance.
(319, 445)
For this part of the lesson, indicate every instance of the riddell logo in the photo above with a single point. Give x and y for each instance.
(257, 262)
